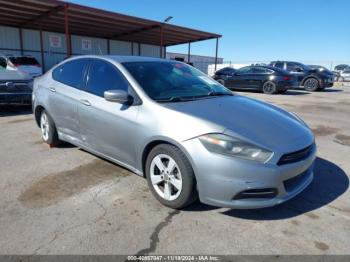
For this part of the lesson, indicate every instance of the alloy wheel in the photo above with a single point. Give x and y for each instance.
(44, 126)
(311, 84)
(166, 177)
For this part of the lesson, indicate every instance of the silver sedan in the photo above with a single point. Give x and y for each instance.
(187, 134)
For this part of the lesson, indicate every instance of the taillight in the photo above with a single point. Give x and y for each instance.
(286, 78)
(38, 65)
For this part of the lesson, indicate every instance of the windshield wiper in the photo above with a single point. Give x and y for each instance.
(213, 93)
(174, 99)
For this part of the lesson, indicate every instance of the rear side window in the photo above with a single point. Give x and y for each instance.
(23, 60)
(245, 70)
(261, 70)
(279, 65)
(104, 76)
(71, 73)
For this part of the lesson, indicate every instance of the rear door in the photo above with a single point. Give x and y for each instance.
(107, 127)
(64, 96)
(259, 76)
(242, 79)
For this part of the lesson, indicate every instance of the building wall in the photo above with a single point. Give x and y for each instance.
(54, 45)
(200, 62)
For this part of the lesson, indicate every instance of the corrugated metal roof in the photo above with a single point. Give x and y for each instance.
(87, 21)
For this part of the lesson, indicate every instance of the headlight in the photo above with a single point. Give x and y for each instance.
(227, 145)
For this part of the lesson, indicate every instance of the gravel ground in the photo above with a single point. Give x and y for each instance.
(67, 201)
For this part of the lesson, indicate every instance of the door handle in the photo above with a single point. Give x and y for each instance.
(52, 89)
(85, 102)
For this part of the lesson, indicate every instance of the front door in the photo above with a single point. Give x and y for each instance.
(107, 127)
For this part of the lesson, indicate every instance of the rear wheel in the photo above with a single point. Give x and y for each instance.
(311, 84)
(170, 176)
(48, 129)
(269, 87)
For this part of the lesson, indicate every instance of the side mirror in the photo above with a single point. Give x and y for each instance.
(118, 96)
(298, 69)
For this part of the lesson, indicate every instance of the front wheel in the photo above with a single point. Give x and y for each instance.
(220, 81)
(48, 129)
(170, 176)
(269, 87)
(311, 84)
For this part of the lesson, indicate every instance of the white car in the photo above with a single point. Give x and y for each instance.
(26, 64)
(345, 75)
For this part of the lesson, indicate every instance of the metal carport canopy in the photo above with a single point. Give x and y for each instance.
(69, 18)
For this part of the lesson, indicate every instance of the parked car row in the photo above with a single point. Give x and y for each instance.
(277, 77)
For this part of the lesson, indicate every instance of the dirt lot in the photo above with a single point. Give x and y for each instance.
(66, 201)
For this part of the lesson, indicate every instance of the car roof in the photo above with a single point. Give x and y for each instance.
(124, 59)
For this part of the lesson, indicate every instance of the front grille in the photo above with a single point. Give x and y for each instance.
(264, 193)
(15, 87)
(296, 181)
(295, 156)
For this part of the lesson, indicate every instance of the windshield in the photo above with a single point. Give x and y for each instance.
(174, 81)
(23, 60)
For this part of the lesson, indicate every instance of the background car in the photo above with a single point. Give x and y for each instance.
(340, 68)
(268, 79)
(310, 79)
(344, 75)
(27, 64)
(15, 87)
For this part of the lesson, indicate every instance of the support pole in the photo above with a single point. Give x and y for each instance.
(216, 53)
(21, 40)
(42, 49)
(161, 41)
(189, 53)
(139, 48)
(132, 48)
(108, 47)
(66, 29)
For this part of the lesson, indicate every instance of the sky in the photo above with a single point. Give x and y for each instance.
(253, 30)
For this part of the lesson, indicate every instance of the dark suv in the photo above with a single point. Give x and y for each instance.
(310, 79)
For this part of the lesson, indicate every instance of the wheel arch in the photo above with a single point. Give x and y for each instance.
(158, 141)
(308, 77)
(37, 112)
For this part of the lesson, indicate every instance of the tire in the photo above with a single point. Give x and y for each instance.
(283, 91)
(220, 81)
(181, 175)
(269, 87)
(48, 129)
(311, 84)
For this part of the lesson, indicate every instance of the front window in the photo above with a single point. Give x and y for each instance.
(174, 81)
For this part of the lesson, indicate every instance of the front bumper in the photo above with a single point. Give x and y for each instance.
(221, 179)
(16, 98)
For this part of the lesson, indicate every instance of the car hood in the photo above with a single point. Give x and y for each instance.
(12, 75)
(252, 120)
